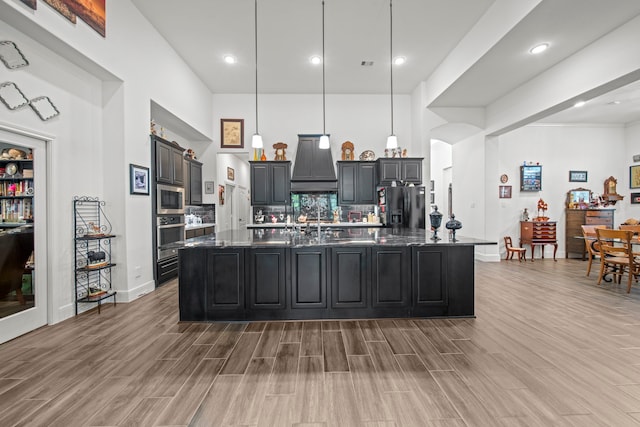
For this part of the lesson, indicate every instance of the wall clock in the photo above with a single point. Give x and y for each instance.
(504, 178)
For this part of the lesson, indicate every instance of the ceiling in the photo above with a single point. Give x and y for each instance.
(424, 31)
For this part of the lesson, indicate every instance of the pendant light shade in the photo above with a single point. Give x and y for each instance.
(256, 141)
(324, 139)
(392, 140)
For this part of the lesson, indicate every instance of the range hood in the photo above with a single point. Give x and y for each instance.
(313, 168)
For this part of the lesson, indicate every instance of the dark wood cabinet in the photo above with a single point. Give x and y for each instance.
(200, 231)
(390, 277)
(193, 182)
(225, 280)
(357, 183)
(539, 233)
(402, 170)
(575, 218)
(349, 277)
(429, 277)
(169, 161)
(270, 183)
(308, 278)
(267, 279)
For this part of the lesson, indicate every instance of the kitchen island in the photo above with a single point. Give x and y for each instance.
(342, 273)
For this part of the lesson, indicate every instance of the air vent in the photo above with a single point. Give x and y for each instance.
(367, 63)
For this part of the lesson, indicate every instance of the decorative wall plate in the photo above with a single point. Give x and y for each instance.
(367, 155)
(504, 178)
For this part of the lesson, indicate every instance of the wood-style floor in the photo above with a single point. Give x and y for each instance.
(548, 348)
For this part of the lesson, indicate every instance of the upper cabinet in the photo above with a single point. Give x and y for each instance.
(357, 183)
(402, 170)
(169, 161)
(270, 183)
(193, 182)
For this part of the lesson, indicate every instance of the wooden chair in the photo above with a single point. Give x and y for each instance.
(616, 255)
(636, 232)
(522, 252)
(591, 243)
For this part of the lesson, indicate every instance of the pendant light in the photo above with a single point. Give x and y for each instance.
(256, 141)
(324, 139)
(392, 140)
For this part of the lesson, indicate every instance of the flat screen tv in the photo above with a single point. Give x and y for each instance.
(530, 178)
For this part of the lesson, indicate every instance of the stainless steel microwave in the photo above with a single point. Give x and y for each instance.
(169, 199)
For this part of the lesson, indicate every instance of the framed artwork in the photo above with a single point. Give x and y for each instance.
(504, 191)
(209, 187)
(635, 198)
(231, 174)
(577, 176)
(221, 195)
(530, 178)
(231, 133)
(138, 180)
(634, 176)
(31, 3)
(90, 11)
(63, 9)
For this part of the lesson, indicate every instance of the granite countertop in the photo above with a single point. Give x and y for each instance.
(315, 224)
(336, 237)
(196, 226)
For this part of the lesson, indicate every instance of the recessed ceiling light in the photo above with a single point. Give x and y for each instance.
(613, 103)
(539, 48)
(579, 104)
(230, 59)
(399, 60)
(316, 60)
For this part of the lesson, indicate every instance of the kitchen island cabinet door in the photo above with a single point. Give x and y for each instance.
(349, 277)
(390, 277)
(192, 302)
(267, 279)
(429, 278)
(309, 278)
(225, 282)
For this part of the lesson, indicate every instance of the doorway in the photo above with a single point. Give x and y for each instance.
(23, 234)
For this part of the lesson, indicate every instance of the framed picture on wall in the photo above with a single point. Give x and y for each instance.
(138, 180)
(530, 178)
(231, 133)
(634, 176)
(209, 187)
(231, 174)
(577, 176)
(504, 191)
(635, 198)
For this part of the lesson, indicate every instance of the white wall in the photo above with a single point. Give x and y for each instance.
(478, 164)
(103, 89)
(632, 147)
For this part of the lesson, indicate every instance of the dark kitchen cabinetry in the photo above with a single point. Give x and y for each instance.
(309, 278)
(390, 278)
(316, 282)
(266, 283)
(407, 170)
(357, 183)
(169, 161)
(200, 231)
(270, 183)
(193, 182)
(349, 277)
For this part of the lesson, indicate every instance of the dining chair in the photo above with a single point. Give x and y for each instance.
(636, 232)
(616, 255)
(591, 243)
(511, 250)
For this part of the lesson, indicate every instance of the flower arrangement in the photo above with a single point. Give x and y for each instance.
(542, 206)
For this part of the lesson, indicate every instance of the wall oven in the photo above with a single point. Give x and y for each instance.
(169, 199)
(170, 230)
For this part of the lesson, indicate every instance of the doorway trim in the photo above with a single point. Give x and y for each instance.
(40, 315)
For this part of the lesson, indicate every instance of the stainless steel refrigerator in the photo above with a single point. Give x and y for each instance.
(402, 207)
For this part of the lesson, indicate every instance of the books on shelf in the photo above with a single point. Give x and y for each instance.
(95, 292)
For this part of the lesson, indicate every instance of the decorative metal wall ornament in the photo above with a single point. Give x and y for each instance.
(13, 98)
(11, 56)
(44, 108)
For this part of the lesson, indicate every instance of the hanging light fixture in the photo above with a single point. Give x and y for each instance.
(324, 139)
(392, 140)
(256, 141)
